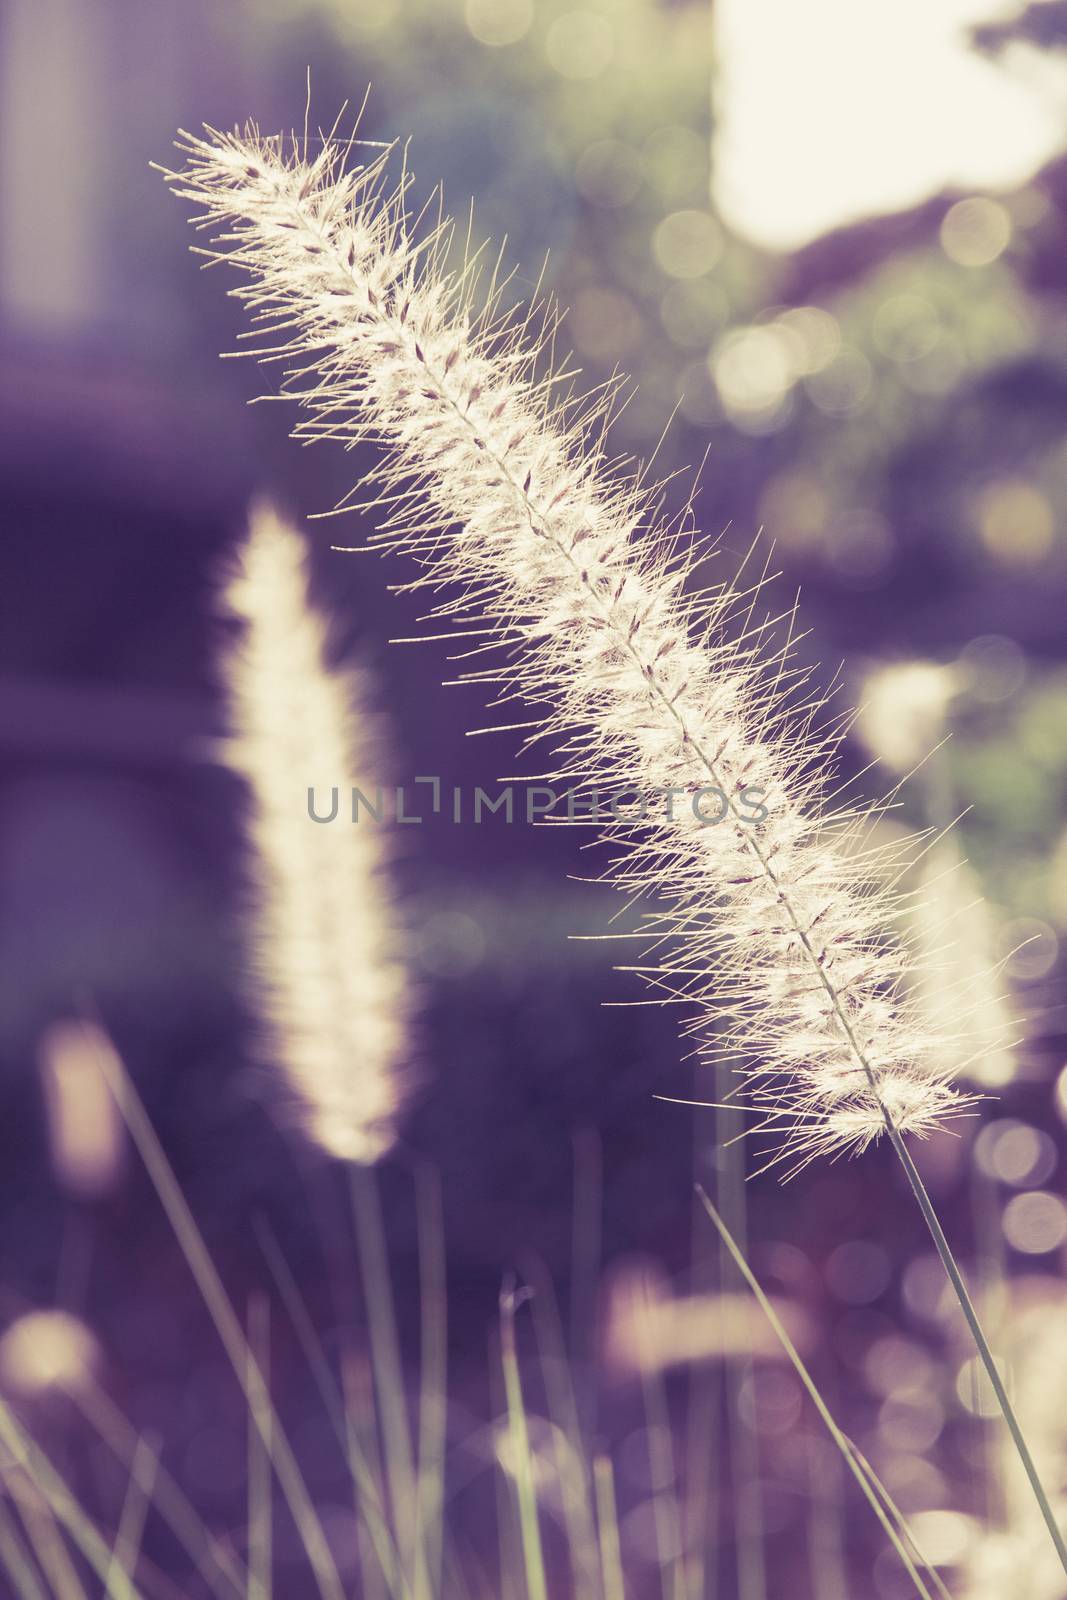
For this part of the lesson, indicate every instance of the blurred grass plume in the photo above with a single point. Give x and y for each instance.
(330, 987)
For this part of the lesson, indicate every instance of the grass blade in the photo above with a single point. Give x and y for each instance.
(388, 1374)
(955, 1277)
(63, 1507)
(226, 1322)
(126, 1549)
(433, 1376)
(214, 1561)
(260, 1483)
(16, 1558)
(369, 1502)
(532, 1554)
(570, 1457)
(820, 1405)
(608, 1524)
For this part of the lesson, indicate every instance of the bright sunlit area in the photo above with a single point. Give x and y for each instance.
(836, 110)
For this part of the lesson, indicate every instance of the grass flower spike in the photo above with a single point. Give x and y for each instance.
(321, 927)
(493, 482)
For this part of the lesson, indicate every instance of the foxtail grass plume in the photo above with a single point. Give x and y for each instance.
(320, 928)
(773, 931)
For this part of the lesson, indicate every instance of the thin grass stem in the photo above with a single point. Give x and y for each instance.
(388, 1374)
(259, 1473)
(226, 1321)
(732, 1196)
(16, 1558)
(898, 1518)
(586, 1228)
(127, 1546)
(370, 1505)
(433, 1376)
(508, 1536)
(820, 1404)
(663, 1479)
(46, 1482)
(47, 1541)
(703, 1409)
(955, 1277)
(608, 1524)
(214, 1561)
(571, 1461)
(826, 1552)
(532, 1554)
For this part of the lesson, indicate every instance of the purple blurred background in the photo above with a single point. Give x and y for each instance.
(910, 468)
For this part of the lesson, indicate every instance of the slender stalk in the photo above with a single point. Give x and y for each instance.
(46, 1539)
(509, 1546)
(585, 1270)
(533, 1558)
(701, 1513)
(991, 1274)
(388, 1372)
(214, 1562)
(704, 1470)
(433, 1362)
(568, 1448)
(826, 1551)
(260, 1484)
(948, 1261)
(370, 1505)
(607, 1518)
(664, 1486)
(126, 1550)
(898, 1518)
(730, 1192)
(60, 1504)
(227, 1324)
(16, 1559)
(820, 1404)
